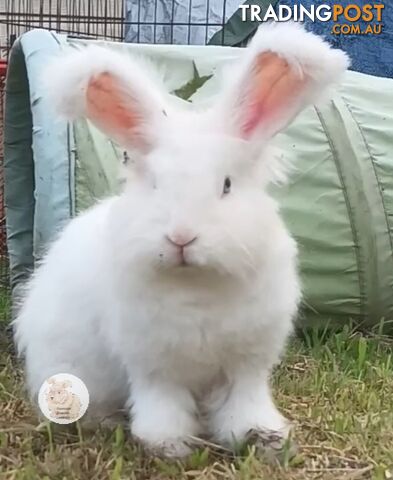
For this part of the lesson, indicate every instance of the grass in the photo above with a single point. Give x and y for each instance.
(4, 303)
(336, 387)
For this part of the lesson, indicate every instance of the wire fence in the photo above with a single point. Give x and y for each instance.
(86, 18)
(176, 21)
(147, 21)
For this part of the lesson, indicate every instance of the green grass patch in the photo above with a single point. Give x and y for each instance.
(5, 304)
(337, 388)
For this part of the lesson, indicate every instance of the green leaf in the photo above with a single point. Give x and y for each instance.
(192, 86)
(199, 459)
(116, 474)
(362, 352)
(119, 437)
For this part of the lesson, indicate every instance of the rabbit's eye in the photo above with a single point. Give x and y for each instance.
(227, 186)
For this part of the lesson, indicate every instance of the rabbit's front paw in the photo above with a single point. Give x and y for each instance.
(164, 417)
(272, 446)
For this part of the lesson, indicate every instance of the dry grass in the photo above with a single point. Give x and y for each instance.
(337, 388)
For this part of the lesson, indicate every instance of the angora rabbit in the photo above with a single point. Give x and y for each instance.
(176, 298)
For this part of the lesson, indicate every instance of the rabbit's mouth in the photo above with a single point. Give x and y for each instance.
(178, 255)
(180, 261)
(183, 261)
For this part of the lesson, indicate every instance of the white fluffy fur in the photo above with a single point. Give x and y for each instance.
(112, 305)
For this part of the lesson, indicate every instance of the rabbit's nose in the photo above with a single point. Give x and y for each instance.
(181, 240)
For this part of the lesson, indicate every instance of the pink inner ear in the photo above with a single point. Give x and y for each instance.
(274, 86)
(107, 105)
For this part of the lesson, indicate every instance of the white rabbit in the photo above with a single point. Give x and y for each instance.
(176, 297)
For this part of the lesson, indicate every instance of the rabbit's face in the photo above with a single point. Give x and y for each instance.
(198, 203)
(58, 394)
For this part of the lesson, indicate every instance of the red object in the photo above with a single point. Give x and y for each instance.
(3, 68)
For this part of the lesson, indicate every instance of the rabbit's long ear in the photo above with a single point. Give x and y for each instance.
(284, 69)
(117, 93)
